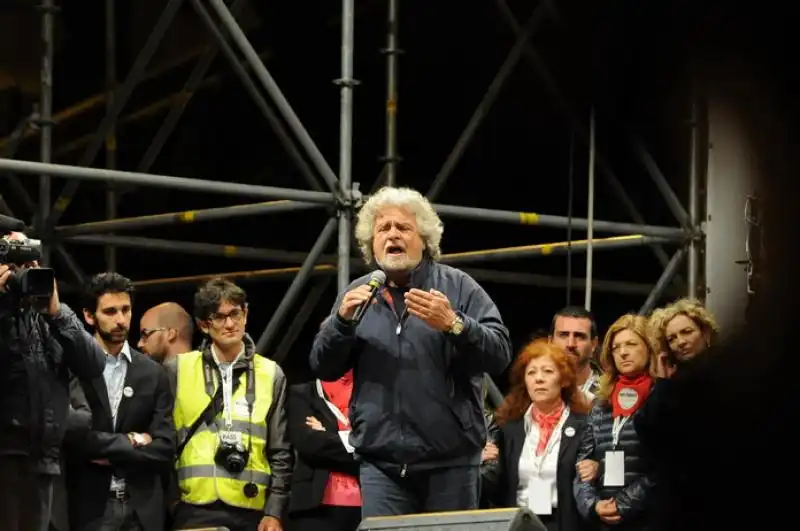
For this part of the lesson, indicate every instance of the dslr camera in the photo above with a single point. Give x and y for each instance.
(25, 284)
(233, 457)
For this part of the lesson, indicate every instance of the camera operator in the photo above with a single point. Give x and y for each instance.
(41, 341)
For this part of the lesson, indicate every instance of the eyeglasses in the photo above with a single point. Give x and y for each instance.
(219, 319)
(145, 333)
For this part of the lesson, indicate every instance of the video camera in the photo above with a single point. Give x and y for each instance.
(33, 284)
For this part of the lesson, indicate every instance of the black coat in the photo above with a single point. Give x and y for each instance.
(504, 485)
(148, 410)
(318, 452)
(634, 499)
(37, 353)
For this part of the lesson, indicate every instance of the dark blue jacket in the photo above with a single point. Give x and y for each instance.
(417, 399)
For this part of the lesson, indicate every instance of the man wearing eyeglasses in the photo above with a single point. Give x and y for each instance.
(165, 331)
(234, 459)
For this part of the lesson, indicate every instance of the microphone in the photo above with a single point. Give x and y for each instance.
(376, 280)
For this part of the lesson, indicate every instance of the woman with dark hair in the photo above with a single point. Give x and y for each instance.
(539, 421)
(618, 495)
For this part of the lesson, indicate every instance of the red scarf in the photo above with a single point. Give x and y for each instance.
(634, 392)
(547, 423)
(339, 393)
(342, 490)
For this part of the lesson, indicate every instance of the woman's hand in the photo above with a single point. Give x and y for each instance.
(587, 469)
(607, 511)
(314, 424)
(490, 452)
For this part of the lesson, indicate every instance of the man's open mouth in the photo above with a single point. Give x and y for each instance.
(395, 249)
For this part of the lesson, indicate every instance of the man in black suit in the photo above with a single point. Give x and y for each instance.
(114, 475)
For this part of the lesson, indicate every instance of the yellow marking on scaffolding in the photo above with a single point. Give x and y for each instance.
(111, 143)
(239, 275)
(542, 246)
(61, 204)
(230, 250)
(188, 216)
(528, 218)
(391, 106)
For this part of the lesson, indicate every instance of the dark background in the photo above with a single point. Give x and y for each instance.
(633, 60)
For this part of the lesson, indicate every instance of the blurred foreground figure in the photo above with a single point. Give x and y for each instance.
(41, 341)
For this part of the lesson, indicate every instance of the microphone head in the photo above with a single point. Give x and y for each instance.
(377, 277)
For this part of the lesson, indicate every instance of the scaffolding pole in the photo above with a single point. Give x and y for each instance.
(482, 110)
(483, 275)
(301, 317)
(48, 9)
(121, 98)
(663, 282)
(295, 288)
(249, 86)
(8, 150)
(391, 158)
(694, 198)
(587, 300)
(274, 91)
(184, 217)
(346, 84)
(560, 222)
(111, 137)
(25, 167)
(543, 72)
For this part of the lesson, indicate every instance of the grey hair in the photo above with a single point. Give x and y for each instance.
(428, 223)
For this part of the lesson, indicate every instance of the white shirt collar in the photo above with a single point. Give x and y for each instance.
(125, 351)
(220, 363)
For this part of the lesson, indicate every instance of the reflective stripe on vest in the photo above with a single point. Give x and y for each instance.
(200, 480)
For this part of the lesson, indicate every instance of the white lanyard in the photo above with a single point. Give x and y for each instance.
(555, 437)
(335, 410)
(616, 429)
(587, 385)
(226, 374)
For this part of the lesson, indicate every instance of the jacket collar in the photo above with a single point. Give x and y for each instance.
(420, 274)
(241, 362)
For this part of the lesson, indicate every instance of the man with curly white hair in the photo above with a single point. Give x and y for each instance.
(418, 354)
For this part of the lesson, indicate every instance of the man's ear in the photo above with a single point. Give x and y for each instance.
(88, 317)
(172, 335)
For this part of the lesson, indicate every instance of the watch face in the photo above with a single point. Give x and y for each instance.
(458, 326)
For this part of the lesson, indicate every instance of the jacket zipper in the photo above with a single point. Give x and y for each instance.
(390, 301)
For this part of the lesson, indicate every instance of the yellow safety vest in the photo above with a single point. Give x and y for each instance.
(200, 480)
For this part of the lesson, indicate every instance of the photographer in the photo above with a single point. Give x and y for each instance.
(41, 341)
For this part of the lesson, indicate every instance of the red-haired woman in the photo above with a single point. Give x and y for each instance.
(540, 422)
(620, 495)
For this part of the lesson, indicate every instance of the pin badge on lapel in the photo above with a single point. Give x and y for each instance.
(570, 431)
(128, 391)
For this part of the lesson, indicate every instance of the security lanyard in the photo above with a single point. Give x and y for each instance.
(616, 429)
(226, 376)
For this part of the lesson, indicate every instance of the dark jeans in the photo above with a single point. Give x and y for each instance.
(25, 495)
(437, 490)
(118, 516)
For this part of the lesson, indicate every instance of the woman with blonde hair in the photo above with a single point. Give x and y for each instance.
(618, 495)
(540, 421)
(684, 329)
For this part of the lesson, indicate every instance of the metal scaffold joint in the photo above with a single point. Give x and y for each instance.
(351, 201)
(346, 82)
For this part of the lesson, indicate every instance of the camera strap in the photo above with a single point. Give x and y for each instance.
(215, 405)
